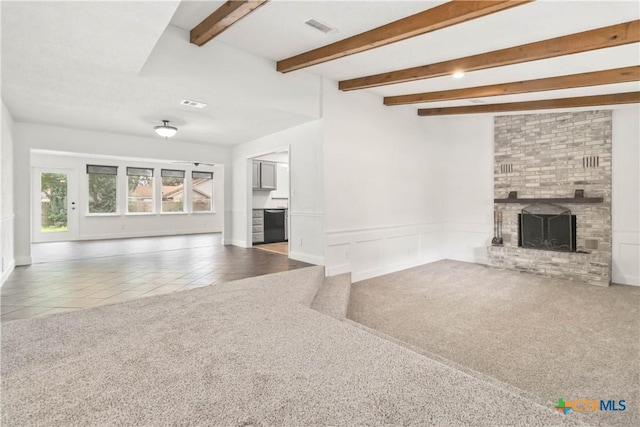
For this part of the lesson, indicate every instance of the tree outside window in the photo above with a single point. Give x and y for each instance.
(103, 189)
(53, 201)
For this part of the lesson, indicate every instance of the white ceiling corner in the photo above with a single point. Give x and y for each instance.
(119, 35)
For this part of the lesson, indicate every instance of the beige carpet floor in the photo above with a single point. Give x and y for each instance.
(244, 353)
(548, 337)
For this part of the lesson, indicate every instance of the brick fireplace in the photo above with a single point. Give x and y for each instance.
(552, 178)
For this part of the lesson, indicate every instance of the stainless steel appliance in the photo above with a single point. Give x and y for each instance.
(274, 225)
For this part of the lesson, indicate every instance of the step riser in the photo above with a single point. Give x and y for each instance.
(332, 298)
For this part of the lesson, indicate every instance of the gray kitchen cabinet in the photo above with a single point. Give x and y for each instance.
(257, 226)
(255, 176)
(264, 175)
(268, 175)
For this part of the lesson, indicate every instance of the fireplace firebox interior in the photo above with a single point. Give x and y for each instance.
(550, 228)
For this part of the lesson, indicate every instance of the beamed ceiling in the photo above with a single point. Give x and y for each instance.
(515, 56)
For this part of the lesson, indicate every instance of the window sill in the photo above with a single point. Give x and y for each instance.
(102, 214)
(140, 213)
(204, 212)
(174, 213)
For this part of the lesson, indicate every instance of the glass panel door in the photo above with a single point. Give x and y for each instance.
(54, 205)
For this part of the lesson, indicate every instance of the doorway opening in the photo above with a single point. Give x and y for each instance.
(55, 214)
(269, 202)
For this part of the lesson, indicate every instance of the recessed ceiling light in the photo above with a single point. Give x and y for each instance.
(458, 75)
(320, 26)
(190, 103)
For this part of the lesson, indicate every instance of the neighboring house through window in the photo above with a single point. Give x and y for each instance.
(140, 187)
(202, 191)
(172, 190)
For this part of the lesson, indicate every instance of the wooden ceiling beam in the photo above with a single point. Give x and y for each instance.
(224, 17)
(596, 78)
(445, 15)
(600, 38)
(546, 104)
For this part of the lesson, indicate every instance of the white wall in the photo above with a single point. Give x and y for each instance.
(381, 185)
(29, 137)
(265, 200)
(7, 216)
(626, 195)
(122, 225)
(467, 187)
(306, 182)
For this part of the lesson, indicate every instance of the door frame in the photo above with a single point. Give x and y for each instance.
(73, 207)
(249, 199)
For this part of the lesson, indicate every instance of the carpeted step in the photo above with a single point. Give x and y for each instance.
(332, 298)
(251, 353)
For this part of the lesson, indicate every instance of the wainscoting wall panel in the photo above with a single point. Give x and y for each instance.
(7, 251)
(372, 252)
(239, 224)
(466, 241)
(306, 236)
(626, 253)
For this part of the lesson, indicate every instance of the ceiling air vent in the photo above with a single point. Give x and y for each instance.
(320, 26)
(190, 103)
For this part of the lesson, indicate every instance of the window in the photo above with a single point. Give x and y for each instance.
(140, 185)
(103, 189)
(202, 191)
(172, 190)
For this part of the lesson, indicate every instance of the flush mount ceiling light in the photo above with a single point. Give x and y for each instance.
(458, 75)
(165, 130)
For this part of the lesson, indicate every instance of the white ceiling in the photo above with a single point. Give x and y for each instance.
(123, 66)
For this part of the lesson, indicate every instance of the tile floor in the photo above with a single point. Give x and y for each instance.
(280, 247)
(59, 286)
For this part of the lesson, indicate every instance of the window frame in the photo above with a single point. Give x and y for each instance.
(116, 175)
(153, 189)
(212, 178)
(172, 173)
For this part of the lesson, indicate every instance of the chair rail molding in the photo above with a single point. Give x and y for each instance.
(374, 251)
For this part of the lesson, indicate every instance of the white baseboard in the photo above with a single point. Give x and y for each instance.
(626, 280)
(337, 269)
(368, 274)
(154, 233)
(238, 242)
(24, 260)
(468, 258)
(8, 271)
(311, 259)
